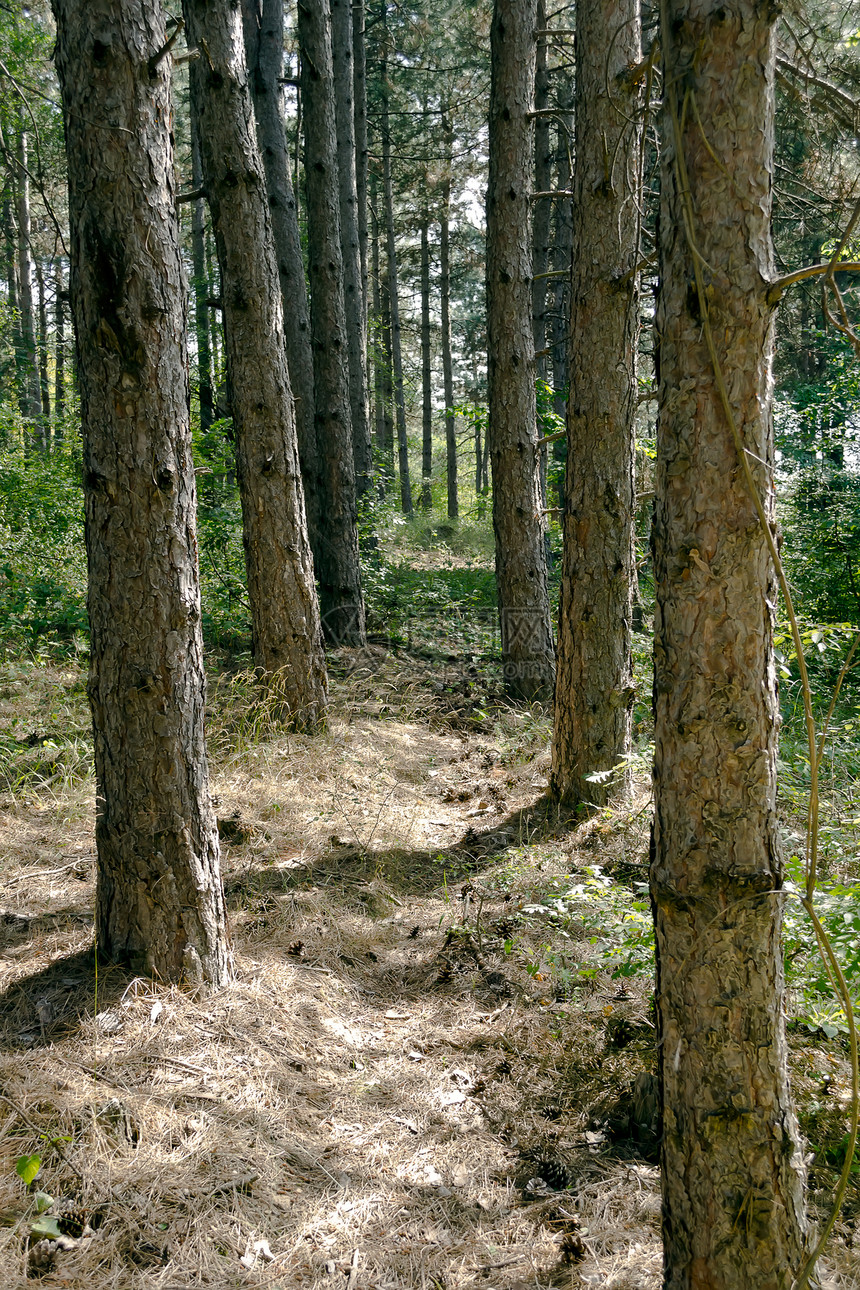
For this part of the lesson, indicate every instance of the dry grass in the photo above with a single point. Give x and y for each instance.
(363, 1105)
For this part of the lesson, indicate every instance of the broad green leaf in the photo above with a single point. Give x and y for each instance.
(26, 1167)
(46, 1226)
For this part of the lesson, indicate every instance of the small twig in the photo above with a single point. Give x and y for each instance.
(506, 1263)
(49, 873)
(161, 54)
(551, 438)
(187, 1066)
(46, 1136)
(353, 1271)
(193, 196)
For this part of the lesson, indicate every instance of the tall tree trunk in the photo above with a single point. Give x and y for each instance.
(11, 249)
(201, 289)
(44, 383)
(594, 686)
(353, 287)
(362, 152)
(527, 648)
(59, 350)
(732, 1171)
(30, 398)
(445, 311)
(263, 22)
(378, 355)
(284, 610)
(542, 208)
(216, 331)
(562, 254)
(541, 220)
(393, 302)
(159, 902)
(338, 568)
(426, 374)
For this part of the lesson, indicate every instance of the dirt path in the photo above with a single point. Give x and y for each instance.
(396, 1091)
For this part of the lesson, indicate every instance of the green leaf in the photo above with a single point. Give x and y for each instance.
(45, 1227)
(26, 1167)
(43, 1201)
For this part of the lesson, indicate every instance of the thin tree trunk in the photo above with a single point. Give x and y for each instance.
(263, 22)
(353, 287)
(362, 152)
(445, 310)
(393, 303)
(159, 902)
(526, 630)
(594, 688)
(213, 273)
(562, 254)
(378, 347)
(541, 220)
(386, 396)
(426, 375)
(59, 351)
(44, 383)
(731, 1156)
(284, 610)
(542, 208)
(30, 398)
(201, 290)
(338, 569)
(10, 239)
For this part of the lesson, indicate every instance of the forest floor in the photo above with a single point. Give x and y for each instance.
(424, 1076)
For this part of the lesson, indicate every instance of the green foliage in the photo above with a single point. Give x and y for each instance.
(226, 612)
(820, 484)
(42, 557)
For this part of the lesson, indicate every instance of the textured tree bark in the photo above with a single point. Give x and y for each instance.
(445, 312)
(338, 568)
(542, 208)
(393, 302)
(284, 610)
(362, 152)
(356, 339)
(594, 685)
(10, 239)
(29, 397)
(562, 254)
(263, 23)
(732, 1169)
(159, 903)
(201, 290)
(44, 382)
(59, 350)
(382, 368)
(526, 630)
(426, 373)
(378, 409)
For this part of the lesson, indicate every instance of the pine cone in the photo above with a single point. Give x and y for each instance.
(555, 1172)
(72, 1220)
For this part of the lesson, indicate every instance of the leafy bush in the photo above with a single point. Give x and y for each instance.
(43, 577)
